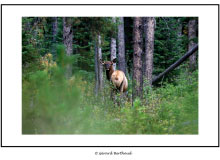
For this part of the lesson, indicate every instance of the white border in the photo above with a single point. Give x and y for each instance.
(208, 77)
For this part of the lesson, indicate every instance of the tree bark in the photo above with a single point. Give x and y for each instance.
(96, 69)
(54, 32)
(67, 35)
(99, 84)
(121, 46)
(68, 42)
(137, 63)
(180, 27)
(192, 26)
(113, 45)
(100, 67)
(149, 50)
(179, 36)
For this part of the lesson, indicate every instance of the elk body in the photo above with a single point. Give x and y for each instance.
(117, 77)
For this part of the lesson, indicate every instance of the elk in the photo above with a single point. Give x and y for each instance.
(117, 77)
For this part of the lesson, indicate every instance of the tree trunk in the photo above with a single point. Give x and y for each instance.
(96, 69)
(121, 46)
(192, 26)
(137, 63)
(54, 32)
(113, 45)
(180, 27)
(179, 33)
(149, 50)
(68, 42)
(100, 67)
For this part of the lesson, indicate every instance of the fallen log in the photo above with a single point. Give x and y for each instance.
(176, 64)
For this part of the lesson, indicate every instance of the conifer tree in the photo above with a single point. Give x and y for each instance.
(137, 62)
(68, 42)
(121, 46)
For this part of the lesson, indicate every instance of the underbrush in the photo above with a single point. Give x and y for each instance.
(51, 104)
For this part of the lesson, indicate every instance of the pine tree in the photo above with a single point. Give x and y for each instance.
(121, 46)
(137, 62)
(192, 27)
(149, 50)
(99, 68)
(113, 45)
(54, 32)
(68, 42)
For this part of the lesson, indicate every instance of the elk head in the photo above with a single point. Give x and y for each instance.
(108, 64)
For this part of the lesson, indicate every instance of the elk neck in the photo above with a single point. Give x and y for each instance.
(109, 72)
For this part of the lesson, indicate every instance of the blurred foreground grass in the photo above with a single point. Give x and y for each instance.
(51, 104)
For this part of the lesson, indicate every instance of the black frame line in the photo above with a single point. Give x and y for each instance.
(112, 5)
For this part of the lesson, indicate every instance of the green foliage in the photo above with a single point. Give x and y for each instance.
(37, 40)
(55, 105)
(52, 104)
(168, 45)
(170, 110)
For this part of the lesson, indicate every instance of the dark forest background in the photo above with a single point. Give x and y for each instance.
(65, 91)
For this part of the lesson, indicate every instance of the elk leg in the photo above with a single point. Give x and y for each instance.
(122, 87)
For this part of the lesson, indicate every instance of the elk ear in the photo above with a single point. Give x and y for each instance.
(101, 62)
(114, 60)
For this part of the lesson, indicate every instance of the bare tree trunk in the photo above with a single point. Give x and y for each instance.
(96, 69)
(113, 45)
(121, 46)
(100, 67)
(192, 26)
(179, 35)
(68, 42)
(54, 32)
(137, 63)
(180, 27)
(149, 50)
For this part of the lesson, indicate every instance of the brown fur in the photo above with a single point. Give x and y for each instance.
(117, 77)
(119, 80)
